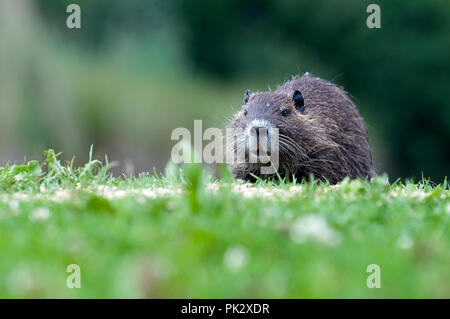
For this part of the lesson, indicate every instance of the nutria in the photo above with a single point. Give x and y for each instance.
(321, 132)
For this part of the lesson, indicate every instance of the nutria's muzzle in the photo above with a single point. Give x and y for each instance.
(258, 141)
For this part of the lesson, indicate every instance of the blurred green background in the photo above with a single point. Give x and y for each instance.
(138, 69)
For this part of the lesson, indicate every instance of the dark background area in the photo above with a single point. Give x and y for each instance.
(138, 69)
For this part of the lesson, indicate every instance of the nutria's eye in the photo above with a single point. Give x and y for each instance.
(245, 111)
(247, 96)
(285, 112)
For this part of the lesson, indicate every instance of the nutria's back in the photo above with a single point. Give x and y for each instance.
(320, 130)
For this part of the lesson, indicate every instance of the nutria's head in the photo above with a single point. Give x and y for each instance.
(263, 114)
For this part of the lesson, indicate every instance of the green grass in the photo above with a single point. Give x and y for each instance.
(187, 235)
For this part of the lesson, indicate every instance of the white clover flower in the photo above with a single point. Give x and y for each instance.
(393, 193)
(405, 242)
(447, 208)
(22, 196)
(13, 205)
(20, 280)
(61, 196)
(314, 227)
(149, 193)
(235, 258)
(40, 214)
(296, 189)
(421, 195)
(212, 187)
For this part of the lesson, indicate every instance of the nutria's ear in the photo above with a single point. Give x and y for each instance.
(298, 98)
(247, 96)
(299, 101)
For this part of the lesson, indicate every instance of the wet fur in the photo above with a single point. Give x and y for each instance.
(328, 141)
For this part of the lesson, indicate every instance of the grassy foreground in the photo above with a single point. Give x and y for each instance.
(186, 235)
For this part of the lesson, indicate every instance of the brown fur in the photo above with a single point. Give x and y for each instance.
(329, 140)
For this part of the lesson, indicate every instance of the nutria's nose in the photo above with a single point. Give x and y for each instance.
(260, 128)
(258, 142)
